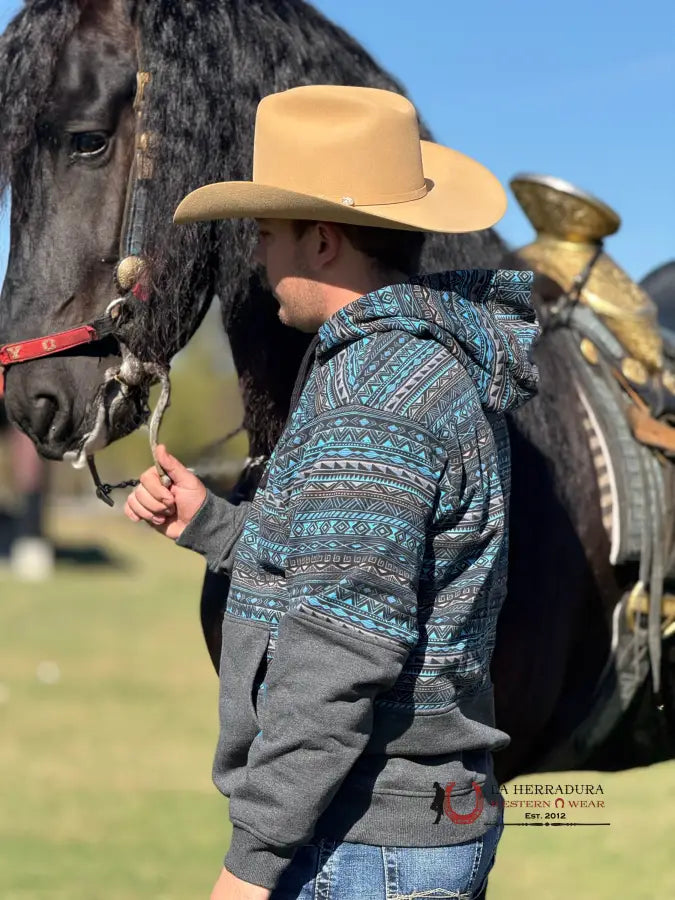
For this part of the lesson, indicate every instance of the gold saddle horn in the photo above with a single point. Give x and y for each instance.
(571, 226)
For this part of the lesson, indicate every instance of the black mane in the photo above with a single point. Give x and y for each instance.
(211, 62)
(29, 50)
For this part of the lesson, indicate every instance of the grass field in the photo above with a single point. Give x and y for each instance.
(108, 712)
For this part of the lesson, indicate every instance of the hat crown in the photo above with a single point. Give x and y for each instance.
(357, 146)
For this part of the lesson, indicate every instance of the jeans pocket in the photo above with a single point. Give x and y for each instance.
(489, 842)
(435, 873)
(243, 665)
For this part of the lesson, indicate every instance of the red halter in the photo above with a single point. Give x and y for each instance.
(49, 344)
(45, 346)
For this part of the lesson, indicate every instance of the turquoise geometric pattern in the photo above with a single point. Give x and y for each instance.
(383, 508)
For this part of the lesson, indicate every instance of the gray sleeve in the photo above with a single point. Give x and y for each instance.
(215, 530)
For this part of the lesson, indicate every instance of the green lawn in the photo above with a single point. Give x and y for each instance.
(105, 786)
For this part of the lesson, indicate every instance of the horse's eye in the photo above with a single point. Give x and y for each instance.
(89, 143)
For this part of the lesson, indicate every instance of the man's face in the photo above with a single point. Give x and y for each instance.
(285, 258)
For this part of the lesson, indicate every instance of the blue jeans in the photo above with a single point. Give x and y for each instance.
(332, 870)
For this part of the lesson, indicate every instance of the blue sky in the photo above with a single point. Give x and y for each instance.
(582, 90)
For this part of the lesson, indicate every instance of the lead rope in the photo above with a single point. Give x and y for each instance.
(103, 489)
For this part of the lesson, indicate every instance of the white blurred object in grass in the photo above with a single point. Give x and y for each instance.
(32, 559)
(48, 672)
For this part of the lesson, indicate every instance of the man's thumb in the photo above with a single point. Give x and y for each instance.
(173, 467)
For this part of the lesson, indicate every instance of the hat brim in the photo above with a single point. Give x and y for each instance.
(462, 196)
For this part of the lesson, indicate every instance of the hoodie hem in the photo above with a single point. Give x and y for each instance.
(396, 820)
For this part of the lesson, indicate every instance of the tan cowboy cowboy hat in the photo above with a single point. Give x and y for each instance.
(351, 155)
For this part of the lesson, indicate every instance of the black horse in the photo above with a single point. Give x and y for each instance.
(660, 285)
(67, 82)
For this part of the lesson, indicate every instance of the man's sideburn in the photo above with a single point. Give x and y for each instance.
(302, 306)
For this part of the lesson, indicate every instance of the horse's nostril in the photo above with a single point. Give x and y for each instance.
(50, 417)
(44, 411)
(45, 408)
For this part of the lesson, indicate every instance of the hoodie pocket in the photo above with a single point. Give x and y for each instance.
(243, 666)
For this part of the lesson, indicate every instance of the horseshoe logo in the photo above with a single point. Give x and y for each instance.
(463, 818)
(49, 344)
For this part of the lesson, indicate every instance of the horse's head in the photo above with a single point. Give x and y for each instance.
(68, 78)
(67, 206)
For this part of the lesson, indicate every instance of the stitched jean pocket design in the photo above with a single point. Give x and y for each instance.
(437, 873)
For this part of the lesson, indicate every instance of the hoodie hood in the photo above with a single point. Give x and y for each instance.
(482, 316)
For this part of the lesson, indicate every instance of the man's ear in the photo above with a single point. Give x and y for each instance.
(328, 242)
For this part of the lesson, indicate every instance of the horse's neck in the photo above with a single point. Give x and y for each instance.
(266, 355)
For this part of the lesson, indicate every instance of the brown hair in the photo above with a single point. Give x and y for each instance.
(390, 248)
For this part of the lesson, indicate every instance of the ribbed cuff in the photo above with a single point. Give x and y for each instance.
(256, 862)
(214, 530)
(190, 535)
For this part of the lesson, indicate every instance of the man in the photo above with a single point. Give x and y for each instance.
(356, 707)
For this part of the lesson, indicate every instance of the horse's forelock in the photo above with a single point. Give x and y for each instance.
(29, 50)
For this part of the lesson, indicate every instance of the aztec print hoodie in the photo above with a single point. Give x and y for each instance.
(366, 582)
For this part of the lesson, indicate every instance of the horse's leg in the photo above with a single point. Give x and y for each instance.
(216, 585)
(32, 555)
(212, 607)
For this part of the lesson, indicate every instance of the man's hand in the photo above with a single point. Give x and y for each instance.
(170, 509)
(229, 887)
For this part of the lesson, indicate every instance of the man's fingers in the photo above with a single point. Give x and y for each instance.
(154, 487)
(129, 513)
(145, 514)
(160, 507)
(167, 509)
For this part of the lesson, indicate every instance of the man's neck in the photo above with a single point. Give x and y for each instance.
(342, 295)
